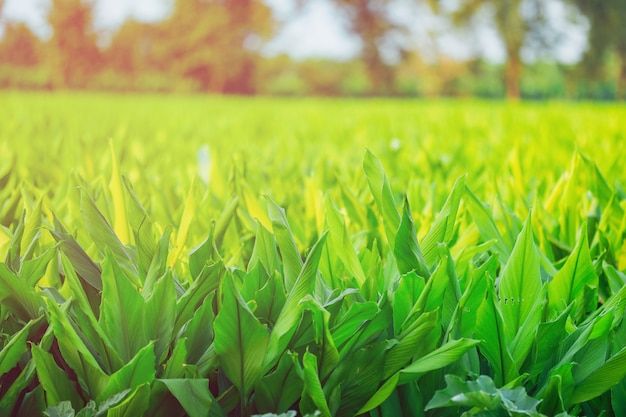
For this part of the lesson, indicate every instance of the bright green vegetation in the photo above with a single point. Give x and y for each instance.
(229, 257)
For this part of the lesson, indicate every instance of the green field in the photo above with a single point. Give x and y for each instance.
(208, 256)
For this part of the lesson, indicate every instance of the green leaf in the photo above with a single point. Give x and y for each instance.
(442, 229)
(15, 348)
(292, 263)
(135, 404)
(194, 396)
(521, 295)
(494, 347)
(487, 226)
(313, 394)
(56, 383)
(196, 331)
(281, 388)
(159, 315)
(85, 320)
(240, 340)
(84, 265)
(354, 319)
(569, 283)
(602, 379)
(122, 315)
(324, 347)
(62, 409)
(102, 233)
(33, 270)
(17, 296)
(138, 371)
(74, 350)
(194, 296)
(174, 367)
(381, 395)
(340, 244)
(290, 314)
(405, 247)
(383, 195)
(264, 251)
(439, 358)
(411, 342)
(482, 396)
(404, 298)
(118, 199)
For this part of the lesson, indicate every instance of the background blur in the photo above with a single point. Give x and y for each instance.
(536, 49)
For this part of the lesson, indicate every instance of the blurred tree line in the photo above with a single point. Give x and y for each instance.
(216, 46)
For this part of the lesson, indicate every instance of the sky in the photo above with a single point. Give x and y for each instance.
(318, 30)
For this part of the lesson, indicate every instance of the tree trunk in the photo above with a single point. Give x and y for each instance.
(512, 75)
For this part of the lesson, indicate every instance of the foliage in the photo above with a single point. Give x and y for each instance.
(224, 47)
(150, 274)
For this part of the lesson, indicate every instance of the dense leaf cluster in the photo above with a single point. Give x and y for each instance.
(358, 309)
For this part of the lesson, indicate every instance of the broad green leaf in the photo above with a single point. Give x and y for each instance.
(324, 347)
(313, 394)
(135, 404)
(86, 268)
(265, 250)
(194, 396)
(383, 196)
(487, 225)
(292, 263)
(494, 346)
(160, 313)
(602, 379)
(406, 249)
(280, 389)
(240, 340)
(62, 409)
(439, 358)
(56, 383)
(122, 311)
(208, 280)
(482, 396)
(84, 318)
(405, 296)
(198, 334)
(31, 271)
(354, 319)
(102, 234)
(340, 243)
(138, 371)
(74, 350)
(17, 296)
(15, 348)
(411, 342)
(442, 229)
(189, 211)
(569, 283)
(521, 295)
(290, 314)
(120, 222)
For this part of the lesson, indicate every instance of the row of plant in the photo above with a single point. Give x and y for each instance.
(105, 311)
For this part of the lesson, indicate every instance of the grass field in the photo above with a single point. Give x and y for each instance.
(171, 256)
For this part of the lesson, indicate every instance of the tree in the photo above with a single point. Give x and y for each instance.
(215, 42)
(607, 34)
(19, 46)
(132, 47)
(371, 21)
(514, 28)
(75, 51)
